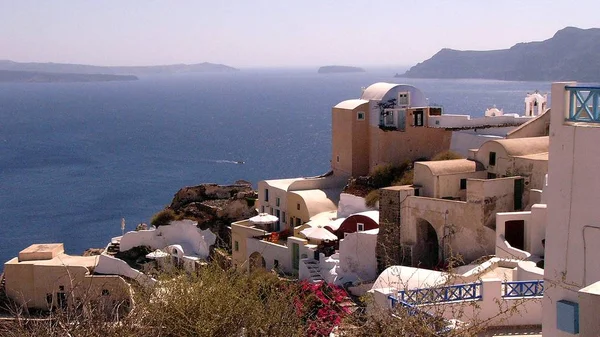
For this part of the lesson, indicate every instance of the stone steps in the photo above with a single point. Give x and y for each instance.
(313, 269)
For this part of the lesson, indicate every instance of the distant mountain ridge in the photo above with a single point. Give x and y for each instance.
(44, 77)
(339, 69)
(119, 70)
(571, 54)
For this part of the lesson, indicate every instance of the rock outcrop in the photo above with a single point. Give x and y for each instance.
(215, 206)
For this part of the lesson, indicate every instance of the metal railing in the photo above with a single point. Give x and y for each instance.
(457, 292)
(523, 289)
(584, 104)
(440, 324)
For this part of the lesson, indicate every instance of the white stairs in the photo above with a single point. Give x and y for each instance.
(313, 268)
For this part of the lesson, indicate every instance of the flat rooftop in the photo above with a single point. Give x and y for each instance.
(60, 260)
(41, 251)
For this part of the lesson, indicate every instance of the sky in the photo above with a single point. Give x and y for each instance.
(275, 33)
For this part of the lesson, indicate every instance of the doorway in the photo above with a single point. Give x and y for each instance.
(514, 233)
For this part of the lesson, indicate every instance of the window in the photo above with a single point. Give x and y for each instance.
(298, 222)
(266, 194)
(277, 201)
(360, 227)
(275, 264)
(105, 292)
(360, 116)
(417, 192)
(61, 298)
(236, 246)
(491, 175)
(298, 206)
(61, 288)
(463, 184)
(492, 160)
(262, 209)
(49, 299)
(283, 217)
(403, 98)
(337, 159)
(272, 213)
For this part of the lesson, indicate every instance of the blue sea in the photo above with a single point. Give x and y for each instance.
(75, 158)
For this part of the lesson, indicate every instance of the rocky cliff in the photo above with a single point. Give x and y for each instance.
(571, 54)
(215, 206)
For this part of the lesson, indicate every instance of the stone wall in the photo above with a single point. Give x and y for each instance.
(390, 252)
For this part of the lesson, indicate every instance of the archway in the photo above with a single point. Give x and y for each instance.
(256, 262)
(427, 240)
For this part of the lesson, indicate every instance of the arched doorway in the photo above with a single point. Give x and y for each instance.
(256, 261)
(427, 240)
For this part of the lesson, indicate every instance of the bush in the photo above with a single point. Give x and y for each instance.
(385, 175)
(406, 179)
(372, 198)
(163, 217)
(447, 155)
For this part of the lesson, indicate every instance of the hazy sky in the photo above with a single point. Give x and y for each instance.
(259, 33)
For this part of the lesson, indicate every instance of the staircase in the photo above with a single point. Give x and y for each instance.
(313, 269)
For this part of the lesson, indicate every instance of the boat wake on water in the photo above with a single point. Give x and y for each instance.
(224, 161)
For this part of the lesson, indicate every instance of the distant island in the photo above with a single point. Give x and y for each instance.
(571, 54)
(44, 77)
(119, 70)
(339, 69)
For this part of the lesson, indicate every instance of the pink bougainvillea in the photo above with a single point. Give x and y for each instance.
(319, 304)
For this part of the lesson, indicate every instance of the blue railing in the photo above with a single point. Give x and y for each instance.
(584, 103)
(457, 292)
(523, 289)
(412, 310)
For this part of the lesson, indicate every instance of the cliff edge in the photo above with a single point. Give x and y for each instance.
(571, 54)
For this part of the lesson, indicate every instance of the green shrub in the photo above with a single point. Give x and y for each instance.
(405, 179)
(447, 155)
(163, 217)
(385, 175)
(372, 198)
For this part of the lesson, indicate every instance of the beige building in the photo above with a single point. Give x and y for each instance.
(450, 210)
(389, 124)
(44, 277)
(295, 202)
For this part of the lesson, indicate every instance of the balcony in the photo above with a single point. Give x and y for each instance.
(584, 104)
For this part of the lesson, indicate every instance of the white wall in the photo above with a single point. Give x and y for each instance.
(270, 252)
(492, 310)
(462, 141)
(572, 248)
(350, 204)
(194, 241)
(109, 265)
(460, 121)
(358, 261)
